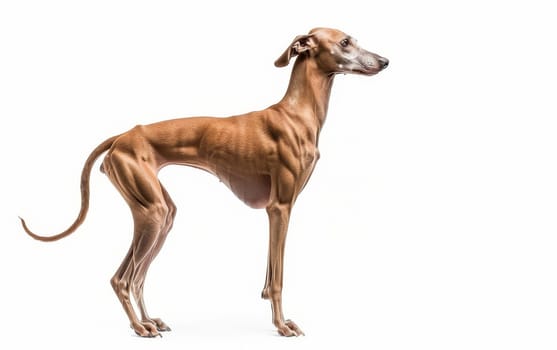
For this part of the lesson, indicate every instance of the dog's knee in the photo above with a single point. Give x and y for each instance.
(162, 214)
(160, 211)
(152, 216)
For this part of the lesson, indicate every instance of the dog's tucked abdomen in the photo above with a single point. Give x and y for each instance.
(253, 190)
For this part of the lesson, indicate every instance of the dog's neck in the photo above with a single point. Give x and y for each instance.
(309, 90)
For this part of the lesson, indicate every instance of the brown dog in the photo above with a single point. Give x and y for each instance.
(264, 157)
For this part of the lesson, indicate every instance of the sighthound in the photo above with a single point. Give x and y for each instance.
(265, 157)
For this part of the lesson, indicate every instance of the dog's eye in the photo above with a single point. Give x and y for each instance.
(345, 42)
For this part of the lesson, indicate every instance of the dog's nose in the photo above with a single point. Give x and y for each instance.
(384, 62)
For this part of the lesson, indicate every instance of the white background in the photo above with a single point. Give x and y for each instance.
(429, 223)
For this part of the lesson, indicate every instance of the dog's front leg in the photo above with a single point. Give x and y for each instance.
(279, 215)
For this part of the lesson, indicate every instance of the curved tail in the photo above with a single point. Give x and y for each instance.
(85, 174)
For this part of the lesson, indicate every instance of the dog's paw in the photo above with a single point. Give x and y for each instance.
(161, 326)
(145, 329)
(289, 329)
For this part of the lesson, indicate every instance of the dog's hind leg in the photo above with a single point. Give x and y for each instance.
(139, 282)
(121, 284)
(136, 180)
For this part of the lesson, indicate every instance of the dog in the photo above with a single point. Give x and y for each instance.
(265, 157)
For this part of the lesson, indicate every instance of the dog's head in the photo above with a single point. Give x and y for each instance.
(334, 52)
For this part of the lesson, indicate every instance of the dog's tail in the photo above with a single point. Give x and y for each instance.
(85, 174)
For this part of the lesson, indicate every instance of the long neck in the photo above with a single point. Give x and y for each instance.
(308, 91)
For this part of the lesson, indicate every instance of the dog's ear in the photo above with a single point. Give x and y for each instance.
(300, 44)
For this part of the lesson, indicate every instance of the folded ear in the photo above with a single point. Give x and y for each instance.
(300, 44)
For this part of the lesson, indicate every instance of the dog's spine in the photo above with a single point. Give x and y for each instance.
(85, 175)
